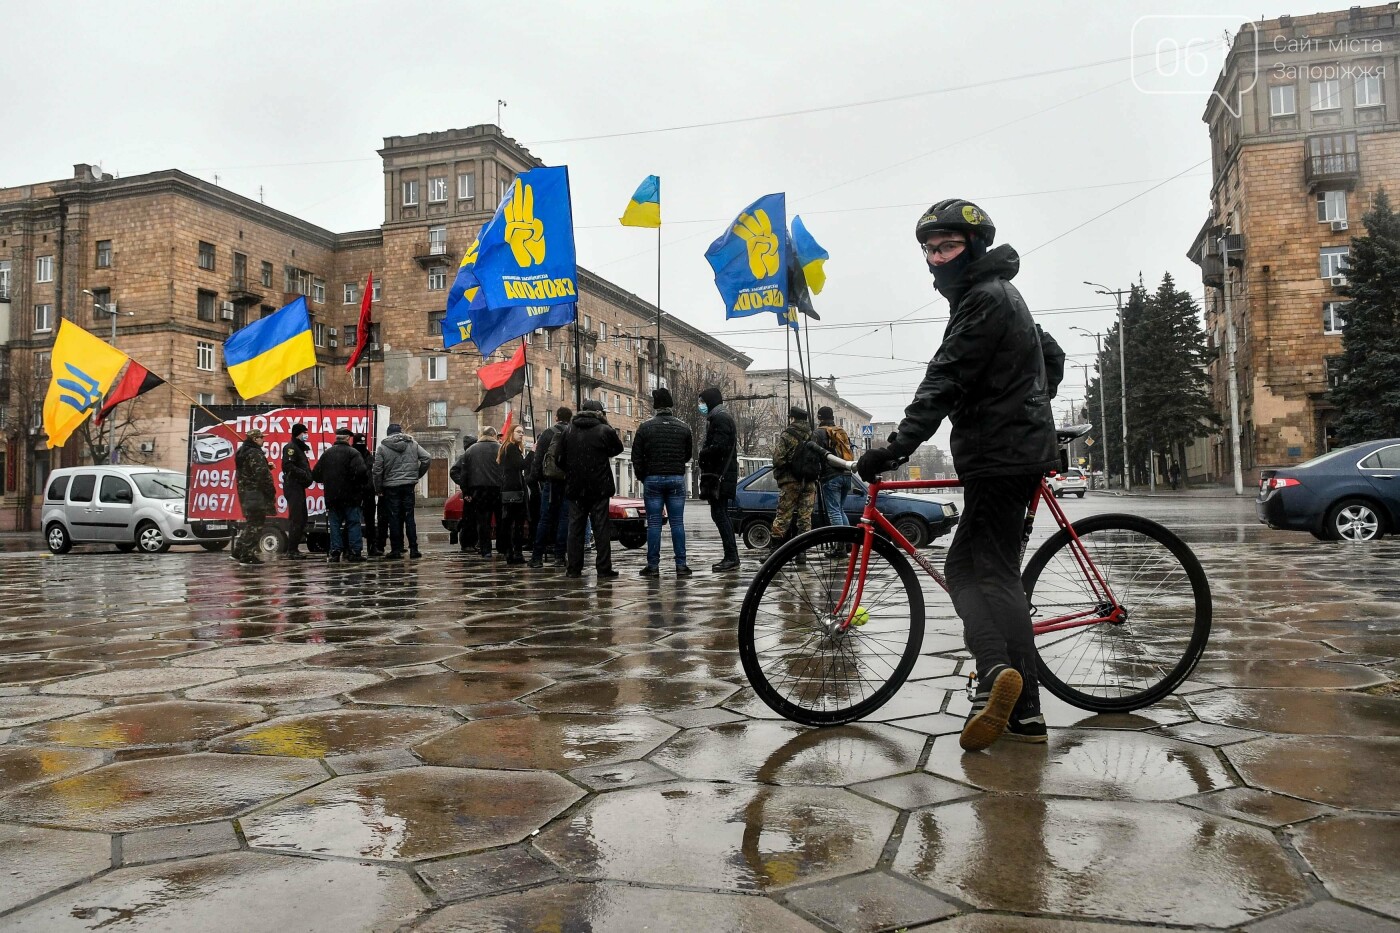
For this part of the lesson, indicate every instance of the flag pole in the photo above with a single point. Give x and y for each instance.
(658, 298)
(578, 376)
(811, 402)
(787, 341)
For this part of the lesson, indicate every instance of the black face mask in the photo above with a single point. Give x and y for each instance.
(952, 275)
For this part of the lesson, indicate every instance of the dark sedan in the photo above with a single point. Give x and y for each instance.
(918, 518)
(1351, 493)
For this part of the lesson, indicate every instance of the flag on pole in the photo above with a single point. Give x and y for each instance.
(750, 259)
(644, 210)
(502, 381)
(810, 256)
(268, 351)
(362, 332)
(527, 256)
(137, 381)
(83, 368)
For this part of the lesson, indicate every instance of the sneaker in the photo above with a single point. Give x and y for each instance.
(996, 696)
(573, 573)
(608, 574)
(536, 563)
(333, 557)
(649, 571)
(683, 570)
(394, 555)
(415, 554)
(354, 558)
(726, 564)
(1028, 729)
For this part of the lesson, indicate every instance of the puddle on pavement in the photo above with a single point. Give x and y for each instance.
(340, 634)
(284, 686)
(549, 741)
(1277, 648)
(786, 753)
(667, 663)
(35, 644)
(630, 695)
(23, 767)
(1302, 675)
(249, 656)
(403, 814)
(1384, 645)
(1300, 712)
(34, 672)
(601, 635)
(1255, 806)
(540, 660)
(464, 637)
(382, 656)
(130, 650)
(451, 689)
(337, 732)
(1357, 858)
(142, 724)
(1038, 856)
(1339, 771)
(30, 708)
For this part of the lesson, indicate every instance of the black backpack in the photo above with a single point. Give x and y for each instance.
(551, 469)
(805, 462)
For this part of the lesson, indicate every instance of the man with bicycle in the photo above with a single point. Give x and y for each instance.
(993, 377)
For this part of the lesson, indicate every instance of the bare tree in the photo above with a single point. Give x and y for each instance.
(126, 419)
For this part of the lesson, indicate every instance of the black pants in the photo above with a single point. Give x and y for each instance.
(402, 522)
(719, 514)
(581, 511)
(373, 529)
(466, 525)
(296, 517)
(511, 526)
(552, 528)
(984, 578)
(486, 504)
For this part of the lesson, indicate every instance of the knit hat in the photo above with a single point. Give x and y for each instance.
(344, 432)
(592, 404)
(395, 428)
(712, 396)
(298, 429)
(661, 398)
(798, 414)
(825, 415)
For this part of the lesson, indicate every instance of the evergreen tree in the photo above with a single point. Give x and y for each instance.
(1368, 387)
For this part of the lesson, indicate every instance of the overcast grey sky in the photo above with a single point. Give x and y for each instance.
(296, 98)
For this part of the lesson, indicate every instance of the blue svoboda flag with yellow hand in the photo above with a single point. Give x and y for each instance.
(83, 370)
(750, 259)
(526, 255)
(271, 350)
(644, 210)
(810, 256)
(468, 318)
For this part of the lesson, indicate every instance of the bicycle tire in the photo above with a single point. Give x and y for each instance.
(806, 676)
(1117, 668)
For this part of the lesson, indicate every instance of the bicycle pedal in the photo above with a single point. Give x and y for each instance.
(971, 687)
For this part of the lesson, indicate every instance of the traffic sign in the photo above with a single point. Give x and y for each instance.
(1088, 442)
(867, 430)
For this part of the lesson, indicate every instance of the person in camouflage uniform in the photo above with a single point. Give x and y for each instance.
(797, 498)
(256, 495)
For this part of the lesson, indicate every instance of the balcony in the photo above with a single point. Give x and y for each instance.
(1212, 271)
(1332, 170)
(437, 253)
(241, 291)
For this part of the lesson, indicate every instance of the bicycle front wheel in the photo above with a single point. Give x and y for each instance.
(1152, 574)
(798, 659)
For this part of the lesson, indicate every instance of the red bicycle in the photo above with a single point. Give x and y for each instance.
(832, 624)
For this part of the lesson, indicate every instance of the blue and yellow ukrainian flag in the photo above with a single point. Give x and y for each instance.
(810, 256)
(269, 351)
(644, 210)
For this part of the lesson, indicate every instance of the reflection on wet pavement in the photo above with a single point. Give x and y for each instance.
(453, 744)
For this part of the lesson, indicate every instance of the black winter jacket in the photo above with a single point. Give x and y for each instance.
(541, 446)
(720, 453)
(512, 467)
(481, 466)
(342, 471)
(296, 469)
(991, 377)
(662, 447)
(590, 443)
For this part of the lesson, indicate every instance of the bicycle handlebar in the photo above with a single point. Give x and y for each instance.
(850, 465)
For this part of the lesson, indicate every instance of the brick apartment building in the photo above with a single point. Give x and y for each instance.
(1318, 134)
(184, 263)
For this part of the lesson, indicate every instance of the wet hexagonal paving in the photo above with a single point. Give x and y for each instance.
(459, 745)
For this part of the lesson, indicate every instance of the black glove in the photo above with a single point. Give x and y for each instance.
(876, 461)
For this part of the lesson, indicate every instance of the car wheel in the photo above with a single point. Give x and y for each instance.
(913, 528)
(271, 542)
(214, 545)
(126, 547)
(632, 539)
(757, 535)
(1354, 520)
(1081, 494)
(150, 539)
(57, 538)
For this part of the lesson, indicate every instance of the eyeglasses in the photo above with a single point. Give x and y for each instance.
(945, 249)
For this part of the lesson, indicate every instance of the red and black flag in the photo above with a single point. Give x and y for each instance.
(138, 381)
(365, 325)
(502, 381)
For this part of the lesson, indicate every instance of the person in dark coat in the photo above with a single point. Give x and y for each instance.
(590, 443)
(256, 496)
(466, 523)
(510, 458)
(993, 377)
(661, 452)
(483, 477)
(296, 477)
(719, 471)
(342, 471)
(551, 533)
(376, 530)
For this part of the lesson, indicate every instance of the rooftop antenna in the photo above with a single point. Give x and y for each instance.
(499, 105)
(260, 195)
(216, 178)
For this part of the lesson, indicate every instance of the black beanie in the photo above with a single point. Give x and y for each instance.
(825, 415)
(799, 414)
(712, 396)
(298, 428)
(661, 398)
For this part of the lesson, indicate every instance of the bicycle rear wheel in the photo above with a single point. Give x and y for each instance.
(795, 661)
(1154, 576)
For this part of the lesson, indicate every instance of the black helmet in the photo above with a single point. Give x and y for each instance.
(956, 214)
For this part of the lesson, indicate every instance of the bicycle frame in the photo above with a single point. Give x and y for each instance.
(1107, 609)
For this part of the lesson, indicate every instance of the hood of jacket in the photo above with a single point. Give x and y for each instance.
(587, 419)
(398, 443)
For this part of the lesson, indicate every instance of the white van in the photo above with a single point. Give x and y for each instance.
(126, 506)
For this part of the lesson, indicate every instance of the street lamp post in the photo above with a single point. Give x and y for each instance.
(1118, 294)
(1103, 424)
(112, 426)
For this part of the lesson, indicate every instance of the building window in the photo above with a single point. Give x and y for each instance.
(549, 380)
(43, 318)
(374, 295)
(1331, 205)
(437, 414)
(588, 322)
(206, 309)
(435, 319)
(104, 254)
(291, 385)
(1368, 91)
(352, 333)
(1283, 100)
(628, 370)
(603, 365)
(466, 186)
(43, 269)
(266, 311)
(602, 330)
(1327, 95)
(1332, 261)
(205, 398)
(318, 291)
(410, 194)
(267, 275)
(437, 368)
(502, 186)
(588, 361)
(437, 241)
(318, 334)
(629, 406)
(437, 279)
(1333, 365)
(298, 281)
(4, 278)
(348, 295)
(437, 190)
(206, 255)
(101, 302)
(318, 376)
(1332, 320)
(361, 377)
(204, 356)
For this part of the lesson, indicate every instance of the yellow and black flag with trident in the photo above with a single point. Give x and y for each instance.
(83, 369)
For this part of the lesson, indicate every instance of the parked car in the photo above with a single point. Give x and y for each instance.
(629, 518)
(128, 507)
(919, 518)
(1071, 482)
(1351, 493)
